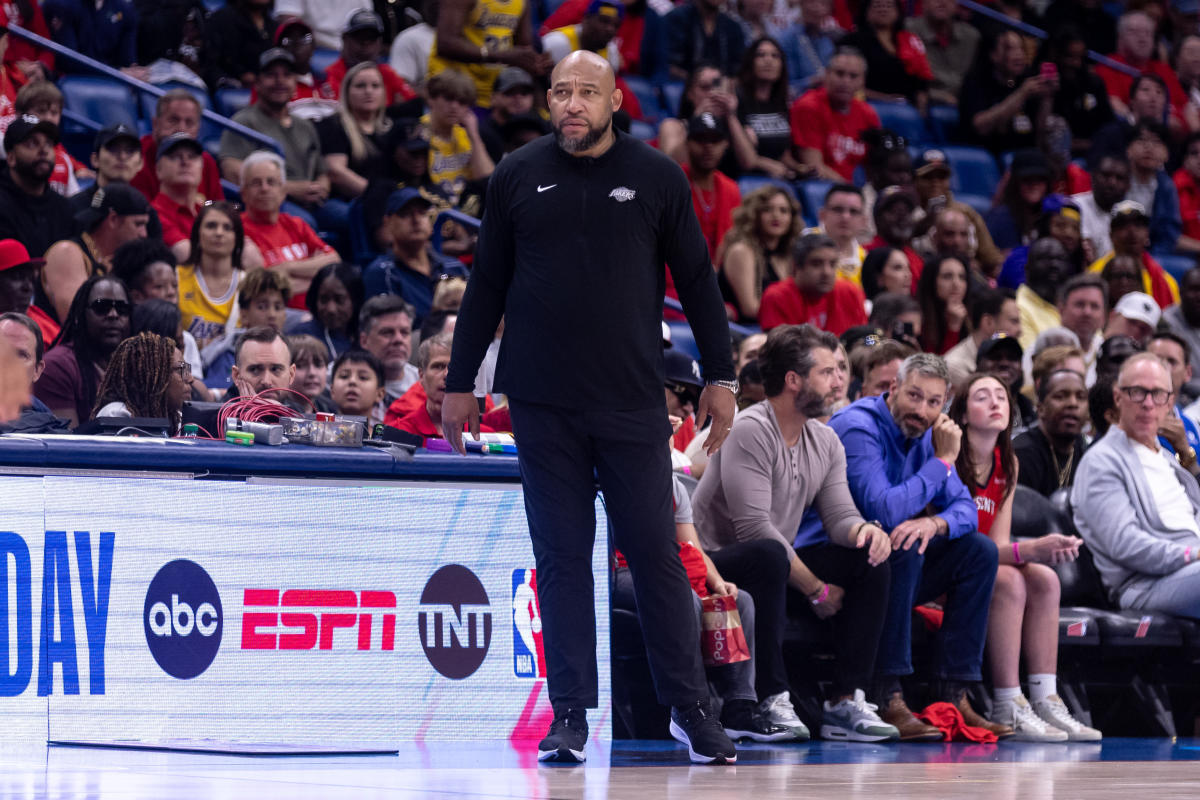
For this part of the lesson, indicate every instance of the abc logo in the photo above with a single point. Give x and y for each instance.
(455, 621)
(183, 617)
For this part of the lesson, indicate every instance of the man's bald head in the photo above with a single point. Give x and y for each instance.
(584, 64)
(582, 99)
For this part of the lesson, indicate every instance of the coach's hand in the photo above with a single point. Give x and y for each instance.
(720, 404)
(459, 408)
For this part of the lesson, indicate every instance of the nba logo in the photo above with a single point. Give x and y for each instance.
(529, 656)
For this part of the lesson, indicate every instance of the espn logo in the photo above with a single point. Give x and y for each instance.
(308, 618)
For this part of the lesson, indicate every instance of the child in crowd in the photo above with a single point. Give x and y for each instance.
(310, 356)
(262, 301)
(358, 385)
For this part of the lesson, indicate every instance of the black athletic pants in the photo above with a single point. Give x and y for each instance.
(562, 453)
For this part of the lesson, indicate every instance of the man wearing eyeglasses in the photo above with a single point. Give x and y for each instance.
(1136, 505)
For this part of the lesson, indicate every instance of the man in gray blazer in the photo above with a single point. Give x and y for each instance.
(1136, 507)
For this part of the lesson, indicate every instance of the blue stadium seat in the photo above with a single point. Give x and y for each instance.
(683, 340)
(812, 197)
(672, 93)
(647, 97)
(104, 100)
(943, 123)
(231, 101)
(642, 130)
(903, 119)
(973, 170)
(1176, 265)
(748, 183)
(321, 59)
(212, 5)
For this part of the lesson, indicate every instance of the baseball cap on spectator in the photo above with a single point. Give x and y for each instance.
(512, 78)
(290, 21)
(706, 127)
(177, 140)
(524, 122)
(275, 55)
(401, 198)
(13, 254)
(682, 375)
(858, 334)
(363, 20)
(410, 134)
(1139, 306)
(1055, 205)
(1000, 345)
(119, 197)
(112, 133)
(1030, 163)
(931, 161)
(25, 126)
(608, 8)
(1127, 212)
(894, 194)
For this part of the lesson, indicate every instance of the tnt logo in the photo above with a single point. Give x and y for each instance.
(182, 617)
(529, 654)
(455, 621)
(318, 614)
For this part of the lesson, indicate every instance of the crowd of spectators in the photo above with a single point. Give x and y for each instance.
(1040, 317)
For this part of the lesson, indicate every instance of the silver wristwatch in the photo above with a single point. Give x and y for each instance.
(730, 385)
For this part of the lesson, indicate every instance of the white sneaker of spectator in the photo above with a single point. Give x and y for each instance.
(1026, 724)
(778, 709)
(853, 719)
(1053, 711)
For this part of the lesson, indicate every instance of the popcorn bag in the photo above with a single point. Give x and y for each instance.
(721, 638)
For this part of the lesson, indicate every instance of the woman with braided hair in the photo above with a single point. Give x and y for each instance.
(146, 377)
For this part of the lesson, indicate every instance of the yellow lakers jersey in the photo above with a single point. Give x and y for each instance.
(204, 316)
(570, 36)
(490, 22)
(449, 161)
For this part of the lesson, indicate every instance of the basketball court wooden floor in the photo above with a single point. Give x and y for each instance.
(1128, 769)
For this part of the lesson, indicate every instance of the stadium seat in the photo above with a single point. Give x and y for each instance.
(748, 183)
(231, 101)
(1176, 264)
(642, 130)
(683, 340)
(104, 100)
(672, 94)
(943, 123)
(647, 96)
(973, 170)
(812, 197)
(321, 59)
(902, 119)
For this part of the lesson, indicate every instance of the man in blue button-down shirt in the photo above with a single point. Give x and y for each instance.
(900, 454)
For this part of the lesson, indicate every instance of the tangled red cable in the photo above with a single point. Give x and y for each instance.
(257, 409)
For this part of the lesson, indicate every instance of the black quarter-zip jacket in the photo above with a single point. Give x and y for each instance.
(572, 252)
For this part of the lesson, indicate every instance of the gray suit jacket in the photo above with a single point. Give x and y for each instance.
(1116, 514)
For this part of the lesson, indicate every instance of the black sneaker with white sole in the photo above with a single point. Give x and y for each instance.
(566, 738)
(707, 743)
(742, 720)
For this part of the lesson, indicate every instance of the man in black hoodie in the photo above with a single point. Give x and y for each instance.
(30, 211)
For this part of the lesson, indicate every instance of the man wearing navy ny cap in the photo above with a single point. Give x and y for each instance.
(30, 211)
(512, 97)
(414, 268)
(571, 253)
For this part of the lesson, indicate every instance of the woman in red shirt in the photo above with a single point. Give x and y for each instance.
(1024, 609)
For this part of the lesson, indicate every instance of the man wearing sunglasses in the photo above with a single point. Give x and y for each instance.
(1136, 506)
